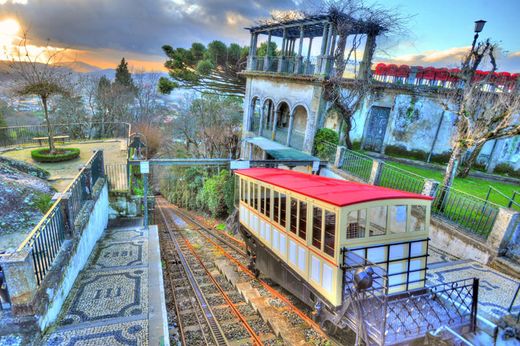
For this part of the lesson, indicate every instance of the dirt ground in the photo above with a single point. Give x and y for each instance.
(62, 173)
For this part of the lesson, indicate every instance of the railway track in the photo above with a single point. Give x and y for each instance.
(215, 315)
(234, 250)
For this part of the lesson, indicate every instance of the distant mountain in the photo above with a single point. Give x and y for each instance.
(81, 67)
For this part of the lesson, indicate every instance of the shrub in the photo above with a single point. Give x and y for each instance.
(62, 154)
(507, 169)
(217, 194)
(43, 202)
(443, 158)
(401, 151)
(324, 137)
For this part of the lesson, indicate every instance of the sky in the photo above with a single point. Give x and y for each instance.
(100, 32)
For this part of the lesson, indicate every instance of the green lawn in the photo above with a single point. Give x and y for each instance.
(474, 186)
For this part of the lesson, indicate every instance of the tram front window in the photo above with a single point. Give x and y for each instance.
(330, 232)
(317, 217)
(377, 220)
(302, 229)
(397, 218)
(356, 223)
(417, 218)
(294, 215)
(276, 205)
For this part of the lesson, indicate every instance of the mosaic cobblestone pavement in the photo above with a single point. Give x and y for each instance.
(110, 301)
(496, 289)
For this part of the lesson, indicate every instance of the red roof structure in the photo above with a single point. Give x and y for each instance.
(333, 191)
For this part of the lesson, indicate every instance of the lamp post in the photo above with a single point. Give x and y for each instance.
(140, 153)
(479, 26)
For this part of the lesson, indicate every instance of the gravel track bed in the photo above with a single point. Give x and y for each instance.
(246, 309)
(215, 300)
(294, 319)
(235, 297)
(278, 303)
(235, 331)
(223, 314)
(259, 326)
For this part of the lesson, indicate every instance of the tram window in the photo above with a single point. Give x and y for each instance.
(267, 198)
(294, 215)
(356, 221)
(397, 220)
(330, 232)
(317, 216)
(276, 202)
(377, 219)
(251, 194)
(257, 196)
(262, 199)
(283, 207)
(302, 227)
(417, 218)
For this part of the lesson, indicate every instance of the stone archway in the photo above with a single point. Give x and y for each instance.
(298, 128)
(282, 119)
(254, 115)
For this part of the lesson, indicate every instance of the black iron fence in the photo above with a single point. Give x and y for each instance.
(466, 211)
(36, 134)
(326, 151)
(45, 240)
(380, 318)
(396, 178)
(117, 176)
(357, 164)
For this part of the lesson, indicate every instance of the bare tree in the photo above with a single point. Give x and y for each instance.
(483, 113)
(148, 107)
(349, 18)
(39, 75)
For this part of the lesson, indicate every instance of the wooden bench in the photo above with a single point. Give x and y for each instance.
(56, 138)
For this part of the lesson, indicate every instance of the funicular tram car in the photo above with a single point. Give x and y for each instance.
(295, 226)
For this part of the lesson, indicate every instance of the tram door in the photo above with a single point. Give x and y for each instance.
(377, 122)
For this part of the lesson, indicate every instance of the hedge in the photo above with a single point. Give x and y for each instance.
(62, 154)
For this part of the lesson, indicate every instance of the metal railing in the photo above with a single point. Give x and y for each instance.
(326, 151)
(117, 176)
(510, 201)
(381, 318)
(45, 240)
(397, 178)
(289, 65)
(357, 164)
(465, 211)
(25, 135)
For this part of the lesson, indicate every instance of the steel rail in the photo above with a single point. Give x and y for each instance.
(256, 339)
(216, 332)
(274, 292)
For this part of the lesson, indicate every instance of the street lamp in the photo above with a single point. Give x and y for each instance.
(479, 26)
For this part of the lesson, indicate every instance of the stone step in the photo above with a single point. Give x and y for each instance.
(506, 266)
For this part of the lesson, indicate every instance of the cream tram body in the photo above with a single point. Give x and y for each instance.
(305, 221)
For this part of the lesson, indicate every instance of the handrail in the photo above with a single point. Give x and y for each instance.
(54, 206)
(510, 199)
(66, 124)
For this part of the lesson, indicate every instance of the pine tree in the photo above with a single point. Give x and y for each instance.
(123, 75)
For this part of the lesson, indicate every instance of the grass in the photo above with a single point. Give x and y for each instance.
(474, 186)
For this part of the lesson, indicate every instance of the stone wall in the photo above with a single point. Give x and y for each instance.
(74, 257)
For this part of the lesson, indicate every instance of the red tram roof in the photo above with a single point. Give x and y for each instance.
(333, 191)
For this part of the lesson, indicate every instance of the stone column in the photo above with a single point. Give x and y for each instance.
(275, 120)
(299, 58)
(340, 154)
(430, 187)
(289, 131)
(308, 62)
(267, 58)
(375, 174)
(364, 67)
(507, 224)
(322, 50)
(21, 282)
(261, 125)
(326, 66)
(281, 60)
(253, 51)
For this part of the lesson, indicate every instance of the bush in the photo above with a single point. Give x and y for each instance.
(324, 137)
(401, 151)
(43, 202)
(62, 154)
(217, 194)
(507, 169)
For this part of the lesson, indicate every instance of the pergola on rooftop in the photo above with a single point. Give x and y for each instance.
(299, 39)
